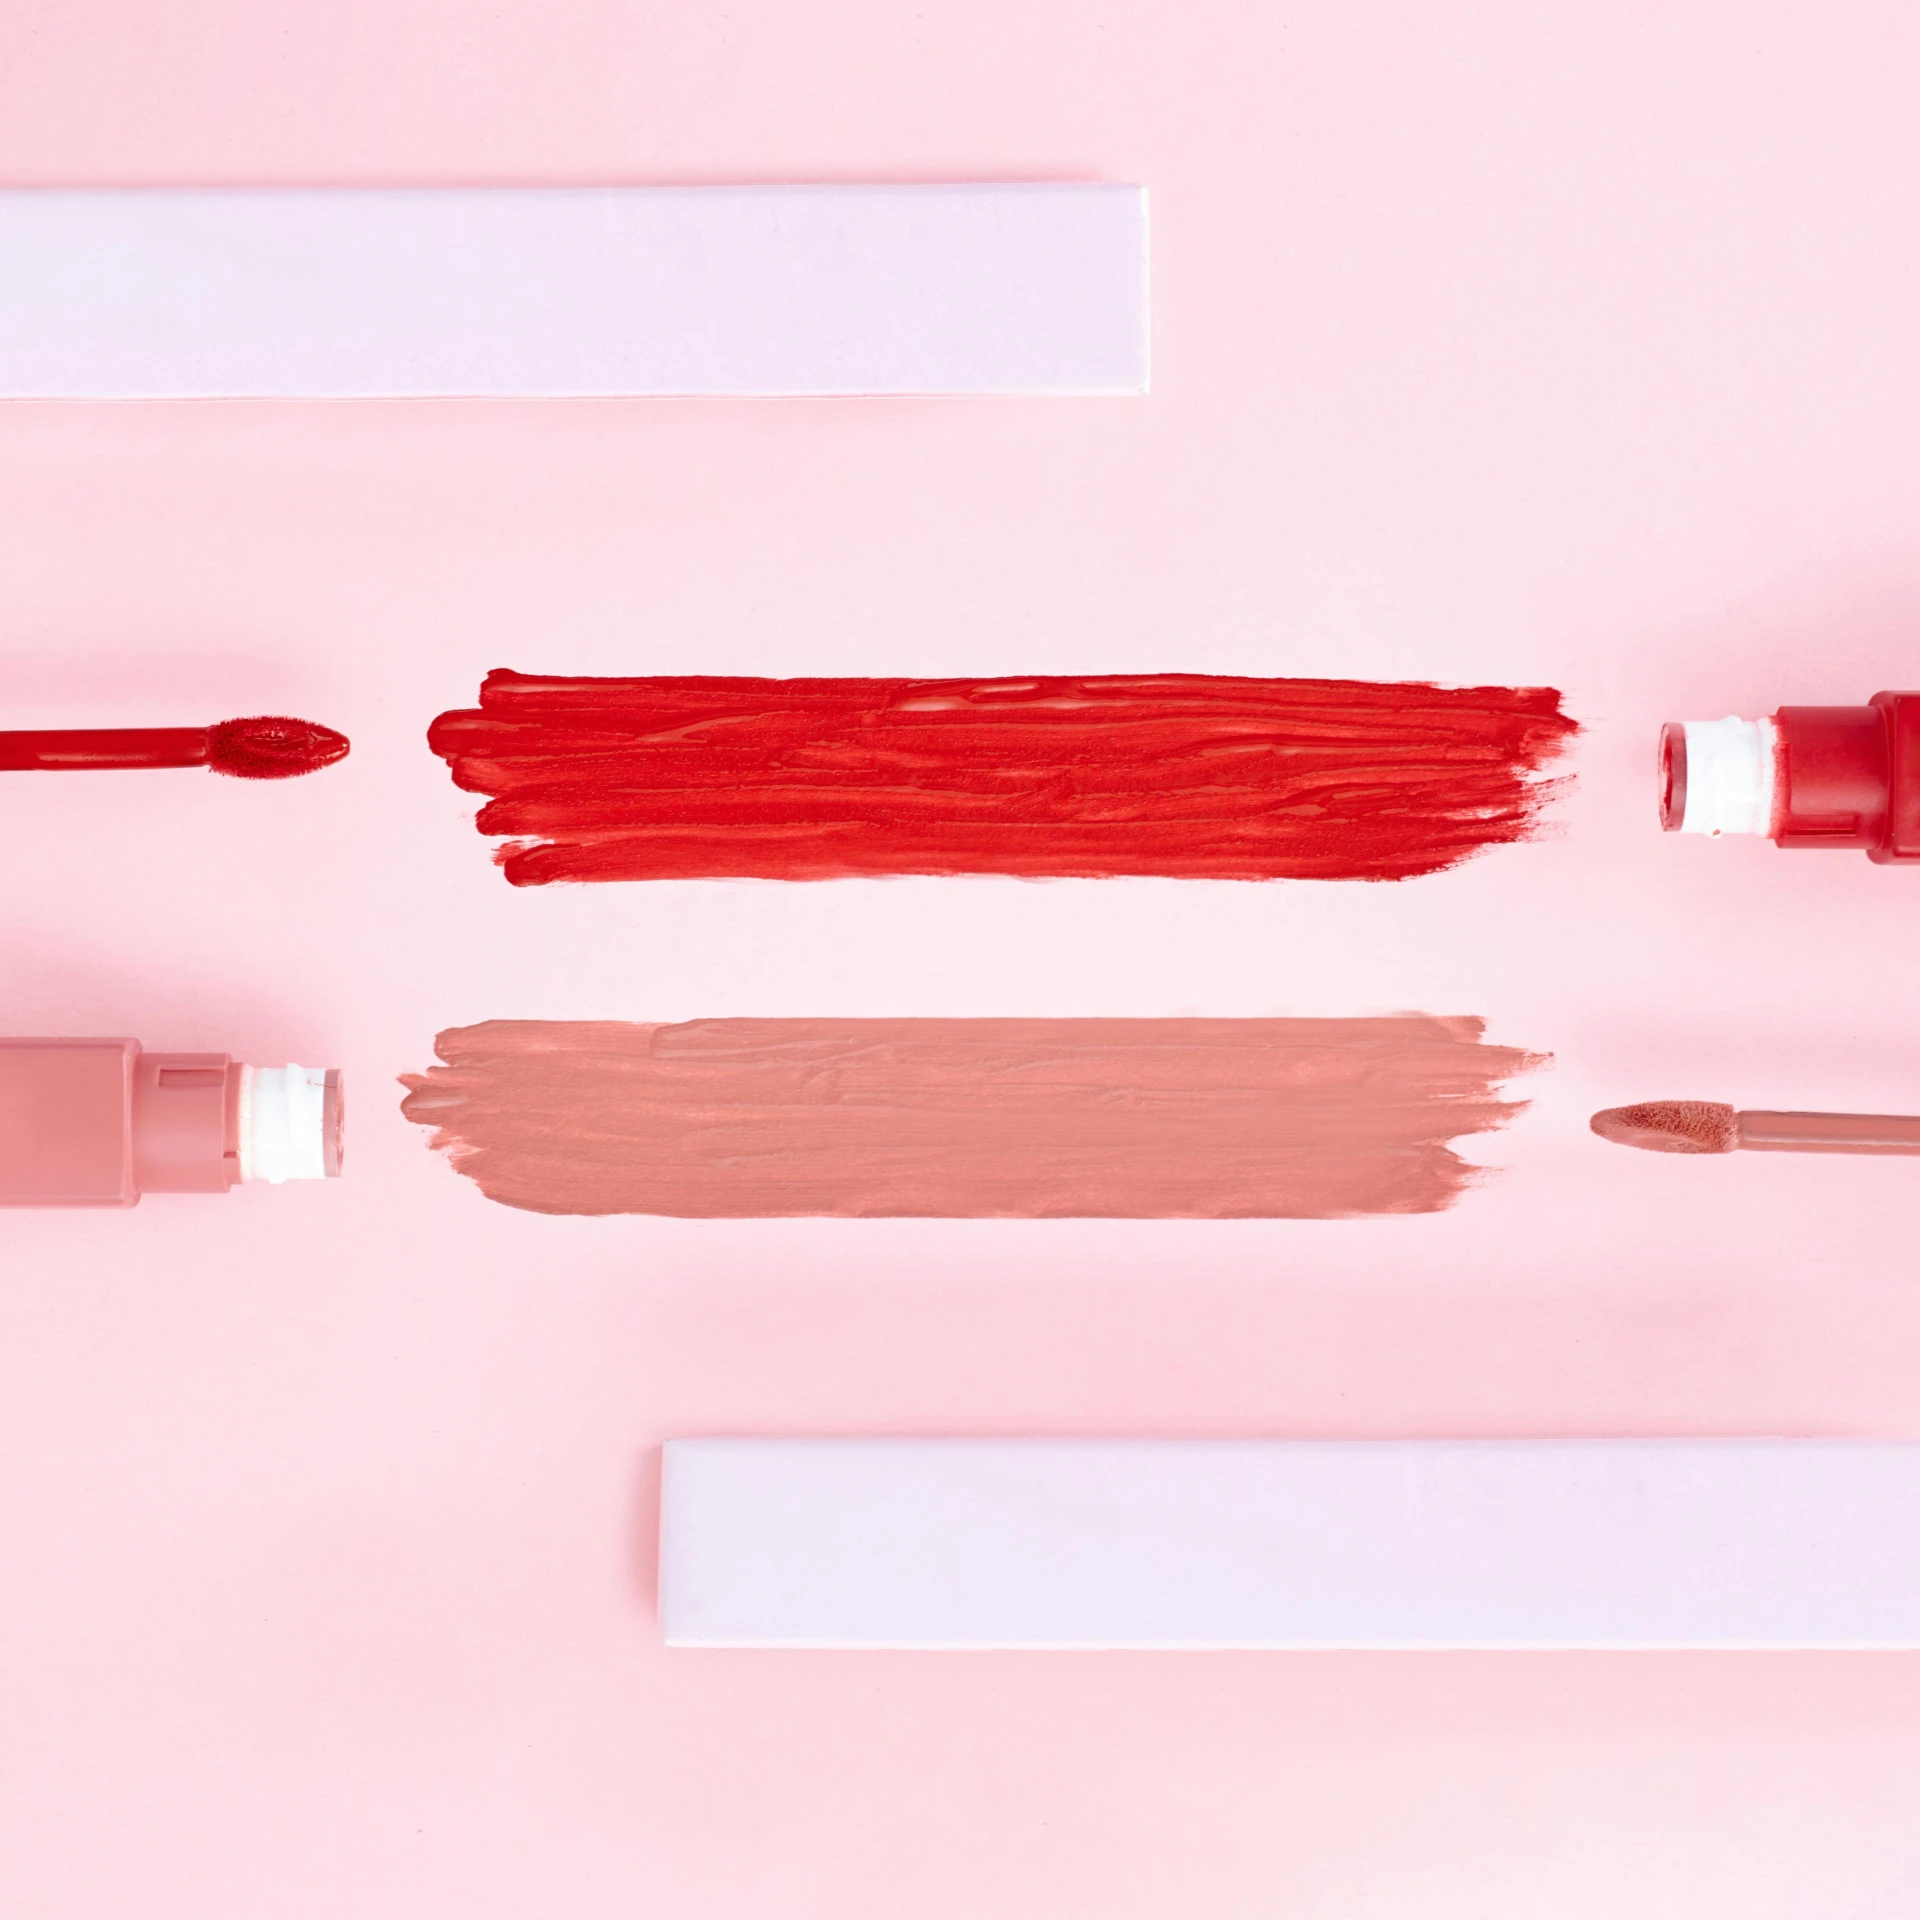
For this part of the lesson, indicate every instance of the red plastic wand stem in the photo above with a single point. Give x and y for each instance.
(85, 749)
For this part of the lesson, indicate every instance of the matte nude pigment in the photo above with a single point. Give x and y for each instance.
(1309, 1119)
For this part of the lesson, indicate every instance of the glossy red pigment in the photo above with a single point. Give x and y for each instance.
(1195, 776)
(272, 747)
(268, 747)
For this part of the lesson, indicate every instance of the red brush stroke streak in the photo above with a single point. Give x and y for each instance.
(1194, 776)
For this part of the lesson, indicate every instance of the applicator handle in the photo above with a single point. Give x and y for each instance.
(90, 749)
(1829, 1132)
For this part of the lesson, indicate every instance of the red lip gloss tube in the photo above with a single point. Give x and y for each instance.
(1808, 777)
(97, 1123)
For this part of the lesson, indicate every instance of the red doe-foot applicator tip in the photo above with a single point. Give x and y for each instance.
(271, 747)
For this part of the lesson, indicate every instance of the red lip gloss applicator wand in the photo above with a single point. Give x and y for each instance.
(267, 747)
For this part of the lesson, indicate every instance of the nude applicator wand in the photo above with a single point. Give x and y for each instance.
(265, 747)
(1706, 1126)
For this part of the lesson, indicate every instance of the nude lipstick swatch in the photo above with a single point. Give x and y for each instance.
(1212, 1119)
(1192, 776)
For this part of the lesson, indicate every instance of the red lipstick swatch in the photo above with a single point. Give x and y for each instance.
(1192, 776)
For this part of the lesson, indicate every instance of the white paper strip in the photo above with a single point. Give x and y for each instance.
(1283, 1544)
(157, 293)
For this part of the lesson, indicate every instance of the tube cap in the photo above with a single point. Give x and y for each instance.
(1717, 776)
(292, 1123)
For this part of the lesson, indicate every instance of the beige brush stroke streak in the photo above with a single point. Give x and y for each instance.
(1212, 1119)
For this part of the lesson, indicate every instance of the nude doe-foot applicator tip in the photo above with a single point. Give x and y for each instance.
(1671, 1126)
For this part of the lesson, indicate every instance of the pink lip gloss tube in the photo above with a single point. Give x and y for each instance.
(97, 1123)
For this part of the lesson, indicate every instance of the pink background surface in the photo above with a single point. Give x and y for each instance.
(1575, 343)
